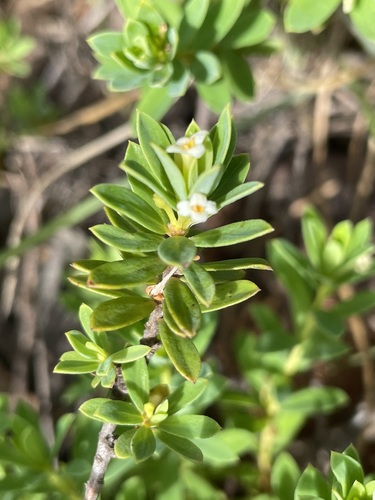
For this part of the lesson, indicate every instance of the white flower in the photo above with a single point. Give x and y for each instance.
(191, 146)
(363, 263)
(198, 208)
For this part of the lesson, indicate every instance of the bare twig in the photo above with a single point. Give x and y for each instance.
(103, 455)
(366, 182)
(90, 114)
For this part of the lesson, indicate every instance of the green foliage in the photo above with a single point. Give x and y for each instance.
(26, 459)
(162, 202)
(303, 15)
(154, 269)
(169, 44)
(152, 321)
(91, 353)
(346, 480)
(155, 422)
(14, 48)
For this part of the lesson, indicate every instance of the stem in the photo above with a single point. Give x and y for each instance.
(264, 458)
(103, 455)
(107, 438)
(267, 435)
(294, 359)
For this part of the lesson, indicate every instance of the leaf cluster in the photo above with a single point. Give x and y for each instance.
(346, 479)
(153, 418)
(14, 48)
(170, 44)
(158, 251)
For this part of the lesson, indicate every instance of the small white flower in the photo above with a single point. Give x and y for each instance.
(191, 146)
(198, 208)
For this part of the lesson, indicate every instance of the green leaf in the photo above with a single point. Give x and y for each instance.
(231, 234)
(185, 394)
(205, 67)
(236, 264)
(172, 171)
(302, 15)
(177, 251)
(117, 313)
(81, 282)
(370, 488)
(221, 17)
(239, 192)
(179, 81)
(75, 366)
(360, 303)
(292, 269)
(329, 323)
(356, 492)
(136, 166)
(312, 485)
(106, 44)
(63, 426)
(180, 445)
(171, 323)
(315, 400)
(130, 354)
(314, 235)
(350, 451)
(182, 352)
(123, 444)
(234, 175)
(90, 406)
(194, 14)
(231, 293)
(253, 27)
(31, 443)
(284, 476)
(362, 235)
(87, 265)
(190, 426)
(126, 273)
(143, 443)
(137, 381)
(78, 341)
(223, 136)
(346, 470)
(125, 241)
(200, 282)
(196, 486)
(171, 12)
(237, 72)
(182, 306)
(216, 96)
(119, 413)
(218, 451)
(207, 181)
(85, 318)
(149, 131)
(127, 8)
(104, 367)
(129, 204)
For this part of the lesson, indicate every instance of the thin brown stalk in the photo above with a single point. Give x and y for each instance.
(106, 440)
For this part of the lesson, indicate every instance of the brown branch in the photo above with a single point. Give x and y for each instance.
(106, 440)
(103, 455)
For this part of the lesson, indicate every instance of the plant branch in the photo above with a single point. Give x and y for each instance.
(103, 455)
(106, 439)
